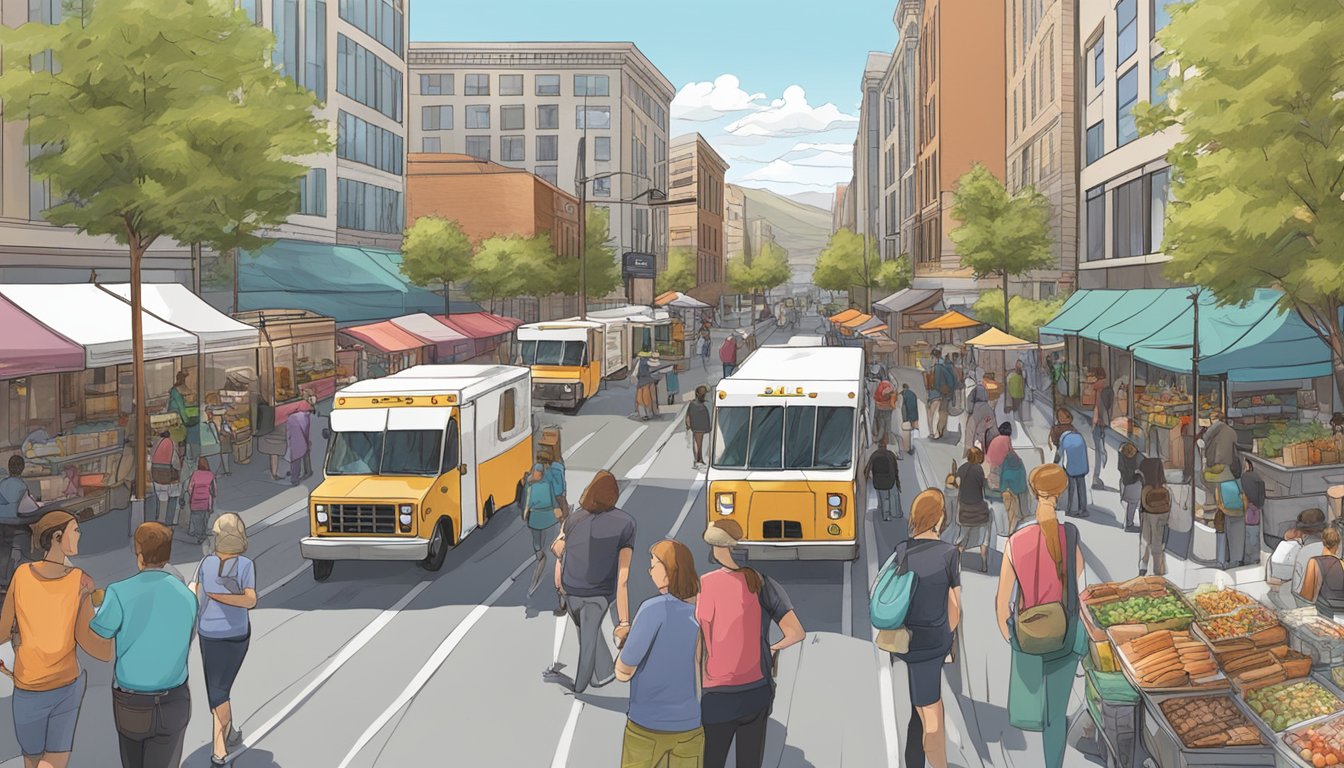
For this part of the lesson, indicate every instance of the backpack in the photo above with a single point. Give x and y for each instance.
(928, 380)
(1156, 500)
(893, 592)
(1229, 494)
(882, 394)
(1074, 450)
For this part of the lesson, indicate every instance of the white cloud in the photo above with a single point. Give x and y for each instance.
(791, 116)
(703, 102)
(782, 172)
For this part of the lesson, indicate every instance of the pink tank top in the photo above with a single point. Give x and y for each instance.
(1037, 578)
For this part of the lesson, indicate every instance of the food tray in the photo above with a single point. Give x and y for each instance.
(1200, 613)
(1287, 748)
(1169, 751)
(1215, 682)
(1269, 726)
(1177, 622)
(1197, 628)
(1326, 651)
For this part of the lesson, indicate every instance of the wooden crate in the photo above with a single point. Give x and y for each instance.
(242, 452)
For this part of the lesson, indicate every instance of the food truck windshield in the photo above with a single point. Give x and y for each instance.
(552, 352)
(411, 452)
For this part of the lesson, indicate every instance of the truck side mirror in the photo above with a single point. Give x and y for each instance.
(462, 469)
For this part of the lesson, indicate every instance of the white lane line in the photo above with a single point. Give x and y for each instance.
(625, 446)
(691, 497)
(435, 661)
(346, 652)
(573, 449)
(885, 692)
(294, 574)
(567, 736)
(293, 509)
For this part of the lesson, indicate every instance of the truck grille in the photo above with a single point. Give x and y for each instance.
(363, 518)
(782, 529)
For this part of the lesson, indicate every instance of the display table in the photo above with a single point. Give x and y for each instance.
(1289, 490)
(1114, 706)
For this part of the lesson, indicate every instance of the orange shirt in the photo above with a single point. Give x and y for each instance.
(46, 611)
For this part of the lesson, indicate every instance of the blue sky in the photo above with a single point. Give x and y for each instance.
(773, 85)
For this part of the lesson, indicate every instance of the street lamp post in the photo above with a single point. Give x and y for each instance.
(655, 195)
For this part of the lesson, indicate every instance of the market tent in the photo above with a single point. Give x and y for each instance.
(686, 302)
(1133, 304)
(843, 317)
(950, 321)
(98, 321)
(1250, 342)
(869, 324)
(482, 328)
(29, 348)
(447, 342)
(175, 303)
(353, 284)
(996, 339)
(874, 332)
(1080, 310)
(663, 299)
(908, 299)
(1171, 304)
(386, 337)
(857, 321)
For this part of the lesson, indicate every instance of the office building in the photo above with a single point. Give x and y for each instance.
(908, 96)
(838, 207)
(868, 147)
(527, 105)
(697, 172)
(734, 221)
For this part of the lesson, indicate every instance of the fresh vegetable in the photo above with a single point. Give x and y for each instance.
(1244, 622)
(1284, 705)
(1221, 601)
(1141, 610)
(1320, 745)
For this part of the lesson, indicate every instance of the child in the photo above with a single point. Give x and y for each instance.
(201, 491)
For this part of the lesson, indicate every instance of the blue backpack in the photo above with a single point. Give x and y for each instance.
(1074, 450)
(893, 592)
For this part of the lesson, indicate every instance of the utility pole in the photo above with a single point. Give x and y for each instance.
(1194, 419)
(196, 268)
(582, 180)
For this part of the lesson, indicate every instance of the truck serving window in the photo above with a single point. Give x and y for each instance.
(355, 453)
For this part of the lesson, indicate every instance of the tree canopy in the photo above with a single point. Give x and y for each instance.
(604, 273)
(768, 269)
(840, 263)
(1258, 173)
(436, 252)
(894, 275)
(680, 273)
(1027, 315)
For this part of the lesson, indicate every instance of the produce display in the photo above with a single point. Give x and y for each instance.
(1205, 722)
(1337, 674)
(1326, 630)
(1143, 586)
(1167, 659)
(1141, 610)
(1311, 442)
(1284, 705)
(1220, 601)
(1246, 621)
(1319, 746)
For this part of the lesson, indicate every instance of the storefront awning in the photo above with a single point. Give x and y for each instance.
(1079, 311)
(909, 299)
(385, 337)
(174, 303)
(663, 299)
(950, 321)
(874, 332)
(446, 341)
(1162, 312)
(479, 325)
(97, 321)
(846, 316)
(1132, 305)
(29, 348)
(857, 321)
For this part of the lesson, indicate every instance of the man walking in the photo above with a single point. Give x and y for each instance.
(298, 435)
(595, 547)
(1101, 417)
(884, 400)
(728, 355)
(909, 417)
(940, 398)
(147, 620)
(885, 474)
(1017, 388)
(1072, 455)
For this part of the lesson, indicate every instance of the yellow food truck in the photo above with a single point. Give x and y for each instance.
(418, 460)
(571, 358)
(789, 442)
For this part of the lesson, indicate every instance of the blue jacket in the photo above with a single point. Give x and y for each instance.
(943, 377)
(1072, 453)
(909, 405)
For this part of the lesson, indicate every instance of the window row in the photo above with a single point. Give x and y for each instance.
(368, 207)
(513, 118)
(369, 144)
(301, 42)
(367, 79)
(383, 20)
(1138, 214)
(1126, 97)
(1126, 35)
(313, 193)
(478, 84)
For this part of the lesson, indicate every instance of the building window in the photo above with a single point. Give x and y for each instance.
(591, 85)
(602, 187)
(511, 118)
(367, 79)
(436, 118)
(1126, 94)
(1098, 58)
(1028, 169)
(547, 85)
(511, 149)
(478, 116)
(313, 193)
(549, 173)
(1156, 78)
(602, 149)
(368, 207)
(285, 25)
(548, 117)
(1050, 68)
(1130, 221)
(510, 85)
(477, 85)
(1159, 193)
(436, 85)
(1127, 38)
(1096, 224)
(315, 48)
(548, 148)
(369, 144)
(431, 144)
(383, 20)
(592, 117)
(479, 147)
(1161, 15)
(1032, 113)
(1096, 146)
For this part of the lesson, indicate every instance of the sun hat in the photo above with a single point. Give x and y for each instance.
(723, 533)
(1311, 519)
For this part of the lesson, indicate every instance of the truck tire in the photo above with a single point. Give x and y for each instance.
(439, 544)
(322, 569)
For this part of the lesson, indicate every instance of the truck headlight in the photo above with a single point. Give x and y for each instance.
(569, 388)
(320, 513)
(835, 500)
(404, 513)
(835, 514)
(835, 504)
(723, 502)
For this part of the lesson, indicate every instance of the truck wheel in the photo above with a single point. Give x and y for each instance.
(578, 401)
(489, 510)
(322, 569)
(438, 547)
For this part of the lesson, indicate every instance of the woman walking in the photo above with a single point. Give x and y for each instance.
(1043, 567)
(50, 604)
(541, 513)
(1007, 477)
(1154, 511)
(972, 509)
(698, 423)
(165, 470)
(226, 589)
(735, 607)
(1131, 484)
(201, 492)
(658, 660)
(935, 613)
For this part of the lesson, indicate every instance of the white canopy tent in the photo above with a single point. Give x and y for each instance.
(176, 304)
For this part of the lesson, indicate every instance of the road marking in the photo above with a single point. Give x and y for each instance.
(573, 449)
(567, 736)
(346, 652)
(435, 661)
(884, 680)
(293, 509)
(691, 497)
(625, 446)
(294, 574)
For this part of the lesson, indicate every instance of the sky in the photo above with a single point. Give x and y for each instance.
(773, 85)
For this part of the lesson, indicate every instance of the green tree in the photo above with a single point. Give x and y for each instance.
(150, 136)
(604, 274)
(539, 267)
(1000, 235)
(840, 264)
(436, 252)
(680, 273)
(894, 275)
(770, 267)
(498, 268)
(1028, 315)
(1258, 173)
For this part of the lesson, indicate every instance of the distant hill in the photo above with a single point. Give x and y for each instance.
(815, 199)
(802, 229)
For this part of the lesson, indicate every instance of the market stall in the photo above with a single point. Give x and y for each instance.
(488, 333)
(384, 348)
(449, 346)
(297, 356)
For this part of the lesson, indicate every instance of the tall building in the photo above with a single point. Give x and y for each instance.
(909, 98)
(868, 146)
(734, 219)
(697, 170)
(350, 54)
(838, 207)
(888, 159)
(961, 123)
(1042, 128)
(526, 105)
(1125, 177)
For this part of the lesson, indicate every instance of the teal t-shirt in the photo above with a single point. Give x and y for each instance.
(541, 504)
(150, 616)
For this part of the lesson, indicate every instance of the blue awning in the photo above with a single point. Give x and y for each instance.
(1130, 306)
(353, 284)
(1079, 311)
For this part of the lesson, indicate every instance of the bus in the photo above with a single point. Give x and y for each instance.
(789, 440)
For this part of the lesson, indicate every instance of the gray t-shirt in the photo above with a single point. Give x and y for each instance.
(698, 413)
(971, 482)
(12, 491)
(937, 568)
(593, 543)
(220, 621)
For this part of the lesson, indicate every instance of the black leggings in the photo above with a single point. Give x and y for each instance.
(748, 727)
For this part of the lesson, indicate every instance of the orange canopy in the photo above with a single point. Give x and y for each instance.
(845, 316)
(950, 321)
(856, 321)
(874, 331)
(666, 298)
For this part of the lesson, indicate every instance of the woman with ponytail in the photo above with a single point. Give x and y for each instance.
(734, 609)
(1043, 570)
(1324, 582)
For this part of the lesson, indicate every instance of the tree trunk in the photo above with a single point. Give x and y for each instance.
(1007, 327)
(1335, 340)
(447, 304)
(139, 400)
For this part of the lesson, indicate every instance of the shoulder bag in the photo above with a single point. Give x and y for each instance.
(890, 602)
(1043, 630)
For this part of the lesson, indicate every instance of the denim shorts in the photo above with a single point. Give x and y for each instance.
(44, 721)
